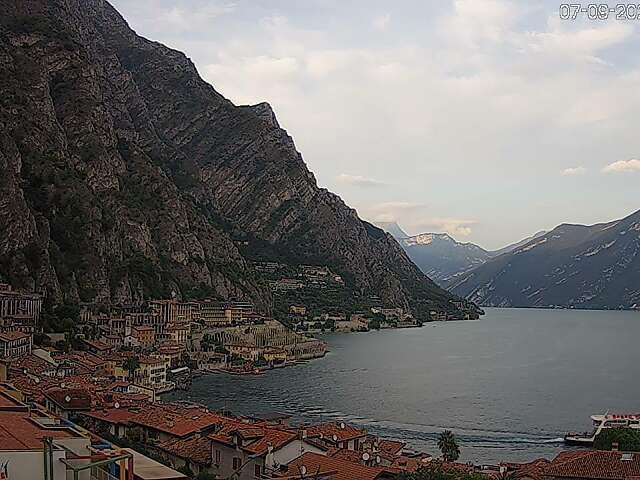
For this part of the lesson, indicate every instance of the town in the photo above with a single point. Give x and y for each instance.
(86, 403)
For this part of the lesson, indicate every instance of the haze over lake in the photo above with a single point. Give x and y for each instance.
(509, 385)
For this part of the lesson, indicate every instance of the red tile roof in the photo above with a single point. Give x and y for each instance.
(18, 431)
(594, 464)
(70, 398)
(255, 440)
(391, 447)
(12, 336)
(197, 450)
(535, 470)
(333, 468)
(334, 432)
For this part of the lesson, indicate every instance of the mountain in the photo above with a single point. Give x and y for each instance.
(393, 228)
(441, 257)
(125, 176)
(573, 266)
(513, 246)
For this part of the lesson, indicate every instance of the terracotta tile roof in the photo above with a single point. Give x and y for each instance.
(197, 450)
(70, 398)
(391, 447)
(411, 464)
(12, 336)
(535, 469)
(334, 432)
(333, 468)
(594, 464)
(255, 440)
(18, 431)
(33, 364)
(177, 420)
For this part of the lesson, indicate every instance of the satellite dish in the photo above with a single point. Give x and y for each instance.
(335, 438)
(303, 470)
(378, 459)
(62, 385)
(37, 380)
(342, 425)
(366, 456)
(321, 436)
(116, 405)
(67, 399)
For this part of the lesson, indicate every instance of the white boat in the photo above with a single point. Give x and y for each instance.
(602, 422)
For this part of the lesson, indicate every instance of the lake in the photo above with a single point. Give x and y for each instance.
(509, 385)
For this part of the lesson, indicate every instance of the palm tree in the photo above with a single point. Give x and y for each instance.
(131, 364)
(448, 446)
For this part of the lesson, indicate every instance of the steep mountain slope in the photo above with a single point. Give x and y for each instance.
(125, 175)
(393, 228)
(576, 266)
(441, 257)
(513, 246)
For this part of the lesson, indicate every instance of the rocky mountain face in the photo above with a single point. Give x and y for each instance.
(573, 266)
(126, 176)
(441, 257)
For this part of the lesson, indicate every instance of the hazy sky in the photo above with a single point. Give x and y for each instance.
(487, 119)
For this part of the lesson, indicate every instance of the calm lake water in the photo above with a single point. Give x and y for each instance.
(509, 385)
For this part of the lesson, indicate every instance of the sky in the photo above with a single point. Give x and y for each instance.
(486, 119)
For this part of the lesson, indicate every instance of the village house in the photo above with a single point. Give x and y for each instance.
(337, 435)
(97, 347)
(144, 336)
(172, 353)
(331, 468)
(152, 372)
(251, 451)
(15, 344)
(66, 402)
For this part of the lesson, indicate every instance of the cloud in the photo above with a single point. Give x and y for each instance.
(455, 227)
(573, 171)
(358, 180)
(623, 166)
(381, 22)
(390, 211)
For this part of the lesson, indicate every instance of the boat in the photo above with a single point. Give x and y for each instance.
(602, 422)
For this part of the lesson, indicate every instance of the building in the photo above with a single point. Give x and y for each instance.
(179, 335)
(331, 468)
(66, 402)
(337, 435)
(152, 373)
(15, 304)
(22, 442)
(594, 464)
(298, 310)
(215, 314)
(246, 451)
(15, 344)
(144, 335)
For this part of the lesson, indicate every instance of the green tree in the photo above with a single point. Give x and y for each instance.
(131, 364)
(628, 439)
(448, 446)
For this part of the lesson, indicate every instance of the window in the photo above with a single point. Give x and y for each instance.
(236, 463)
(217, 457)
(257, 470)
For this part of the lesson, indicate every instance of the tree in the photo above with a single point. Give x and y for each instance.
(448, 446)
(131, 364)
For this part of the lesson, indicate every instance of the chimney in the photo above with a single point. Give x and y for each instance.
(615, 446)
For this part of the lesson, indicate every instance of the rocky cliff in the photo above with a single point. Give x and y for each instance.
(125, 175)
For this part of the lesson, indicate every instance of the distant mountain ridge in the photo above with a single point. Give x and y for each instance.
(441, 257)
(572, 266)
